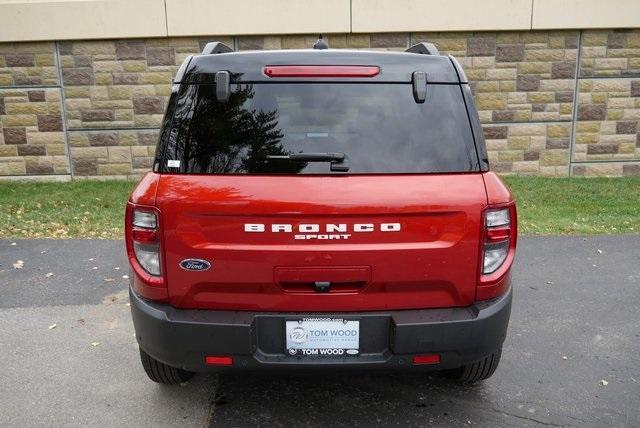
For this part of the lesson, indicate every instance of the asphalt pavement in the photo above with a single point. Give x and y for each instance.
(68, 356)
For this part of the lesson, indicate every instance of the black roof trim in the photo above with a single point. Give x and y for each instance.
(462, 76)
(424, 48)
(216, 48)
(247, 66)
(180, 73)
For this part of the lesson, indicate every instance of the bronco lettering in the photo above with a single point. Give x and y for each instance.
(328, 228)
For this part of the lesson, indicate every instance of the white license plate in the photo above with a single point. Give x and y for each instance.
(323, 337)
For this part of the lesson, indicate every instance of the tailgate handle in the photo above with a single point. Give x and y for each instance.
(322, 286)
(313, 287)
(340, 279)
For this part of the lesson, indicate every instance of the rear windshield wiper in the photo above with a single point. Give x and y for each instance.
(339, 161)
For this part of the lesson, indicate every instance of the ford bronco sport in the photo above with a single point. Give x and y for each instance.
(320, 209)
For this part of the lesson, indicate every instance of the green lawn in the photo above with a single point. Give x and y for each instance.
(94, 209)
(577, 205)
(78, 209)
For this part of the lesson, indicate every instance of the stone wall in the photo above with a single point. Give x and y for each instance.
(93, 108)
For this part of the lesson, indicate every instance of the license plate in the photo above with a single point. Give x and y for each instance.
(323, 337)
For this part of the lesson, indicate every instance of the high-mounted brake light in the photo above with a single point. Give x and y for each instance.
(321, 70)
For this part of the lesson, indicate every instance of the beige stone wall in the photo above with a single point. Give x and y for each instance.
(112, 153)
(516, 76)
(28, 64)
(529, 148)
(32, 141)
(539, 117)
(608, 114)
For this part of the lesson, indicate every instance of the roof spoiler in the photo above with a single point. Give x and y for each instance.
(424, 48)
(216, 48)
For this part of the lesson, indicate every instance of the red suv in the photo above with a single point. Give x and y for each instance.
(320, 209)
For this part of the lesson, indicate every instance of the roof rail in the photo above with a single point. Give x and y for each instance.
(424, 49)
(216, 48)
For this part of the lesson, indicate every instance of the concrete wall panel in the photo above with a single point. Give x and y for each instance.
(200, 17)
(24, 20)
(440, 15)
(553, 14)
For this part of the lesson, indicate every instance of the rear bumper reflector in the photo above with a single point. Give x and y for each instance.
(426, 359)
(213, 360)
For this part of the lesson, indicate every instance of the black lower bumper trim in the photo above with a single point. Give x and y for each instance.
(182, 337)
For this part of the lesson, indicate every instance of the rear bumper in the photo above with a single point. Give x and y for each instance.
(255, 340)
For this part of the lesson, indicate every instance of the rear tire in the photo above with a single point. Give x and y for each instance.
(476, 371)
(162, 373)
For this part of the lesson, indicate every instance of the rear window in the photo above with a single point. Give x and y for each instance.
(379, 128)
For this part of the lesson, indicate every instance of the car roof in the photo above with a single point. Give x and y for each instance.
(247, 66)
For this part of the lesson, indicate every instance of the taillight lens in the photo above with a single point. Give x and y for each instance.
(146, 244)
(148, 255)
(143, 233)
(498, 250)
(495, 218)
(144, 219)
(494, 256)
(497, 239)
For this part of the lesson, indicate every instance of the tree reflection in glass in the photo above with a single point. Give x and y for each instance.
(224, 137)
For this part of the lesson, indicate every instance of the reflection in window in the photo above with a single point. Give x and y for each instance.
(378, 126)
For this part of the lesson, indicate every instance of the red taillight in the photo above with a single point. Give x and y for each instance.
(497, 224)
(498, 234)
(498, 249)
(146, 245)
(216, 360)
(142, 230)
(426, 359)
(144, 235)
(321, 70)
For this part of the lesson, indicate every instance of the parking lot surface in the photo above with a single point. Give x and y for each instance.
(68, 356)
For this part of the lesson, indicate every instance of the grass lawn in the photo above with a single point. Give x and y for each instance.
(577, 205)
(78, 209)
(94, 209)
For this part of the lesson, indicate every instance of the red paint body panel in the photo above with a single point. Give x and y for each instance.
(145, 192)
(497, 283)
(434, 260)
(144, 195)
(431, 262)
(497, 192)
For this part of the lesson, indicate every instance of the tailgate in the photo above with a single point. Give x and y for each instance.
(322, 243)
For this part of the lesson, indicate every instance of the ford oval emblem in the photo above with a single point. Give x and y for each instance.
(195, 264)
